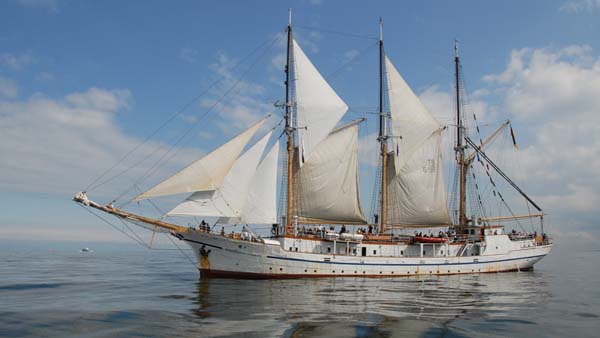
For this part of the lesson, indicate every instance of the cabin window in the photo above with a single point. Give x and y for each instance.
(441, 252)
(364, 252)
(328, 249)
(354, 251)
(290, 248)
(296, 249)
(374, 252)
(402, 252)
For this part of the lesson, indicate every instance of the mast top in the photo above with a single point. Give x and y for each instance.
(289, 17)
(456, 48)
(380, 29)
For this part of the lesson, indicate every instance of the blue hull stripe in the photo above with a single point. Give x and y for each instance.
(383, 264)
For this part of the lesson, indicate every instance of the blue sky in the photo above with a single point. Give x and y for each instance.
(82, 82)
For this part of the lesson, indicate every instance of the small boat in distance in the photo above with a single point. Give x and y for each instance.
(85, 250)
(319, 192)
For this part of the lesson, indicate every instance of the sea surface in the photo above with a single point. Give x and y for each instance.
(51, 289)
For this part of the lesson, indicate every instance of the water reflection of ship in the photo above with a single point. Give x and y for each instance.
(366, 307)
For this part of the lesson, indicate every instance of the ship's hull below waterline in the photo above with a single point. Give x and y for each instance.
(223, 257)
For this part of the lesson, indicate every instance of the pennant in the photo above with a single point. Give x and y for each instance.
(512, 134)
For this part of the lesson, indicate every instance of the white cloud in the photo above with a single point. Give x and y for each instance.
(368, 150)
(44, 76)
(553, 98)
(349, 58)
(579, 6)
(244, 103)
(542, 82)
(49, 5)
(16, 62)
(58, 146)
(8, 88)
(101, 99)
(188, 54)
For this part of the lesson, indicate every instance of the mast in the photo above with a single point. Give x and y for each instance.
(460, 149)
(289, 129)
(382, 135)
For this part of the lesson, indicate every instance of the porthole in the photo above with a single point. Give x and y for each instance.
(315, 270)
(305, 270)
(333, 271)
(364, 272)
(342, 271)
(280, 269)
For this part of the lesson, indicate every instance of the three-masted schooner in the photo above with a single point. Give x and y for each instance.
(321, 193)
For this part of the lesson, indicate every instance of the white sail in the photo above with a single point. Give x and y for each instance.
(229, 199)
(417, 194)
(261, 202)
(416, 190)
(326, 186)
(318, 107)
(207, 173)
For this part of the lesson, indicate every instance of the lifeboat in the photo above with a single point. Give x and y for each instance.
(422, 239)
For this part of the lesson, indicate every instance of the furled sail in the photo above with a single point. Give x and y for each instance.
(229, 199)
(415, 182)
(318, 107)
(207, 173)
(326, 186)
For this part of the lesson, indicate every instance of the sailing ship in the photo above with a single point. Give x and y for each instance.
(320, 197)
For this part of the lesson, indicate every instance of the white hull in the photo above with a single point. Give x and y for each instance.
(221, 256)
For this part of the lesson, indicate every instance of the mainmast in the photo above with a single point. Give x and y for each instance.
(382, 134)
(460, 149)
(289, 129)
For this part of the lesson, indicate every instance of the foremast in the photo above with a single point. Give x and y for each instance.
(460, 148)
(289, 130)
(382, 135)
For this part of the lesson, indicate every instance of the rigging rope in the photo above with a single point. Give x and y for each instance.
(113, 226)
(330, 31)
(93, 184)
(162, 160)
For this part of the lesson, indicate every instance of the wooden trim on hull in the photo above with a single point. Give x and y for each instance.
(206, 273)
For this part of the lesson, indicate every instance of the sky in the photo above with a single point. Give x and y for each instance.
(82, 83)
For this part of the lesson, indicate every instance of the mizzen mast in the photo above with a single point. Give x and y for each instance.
(289, 129)
(460, 148)
(382, 134)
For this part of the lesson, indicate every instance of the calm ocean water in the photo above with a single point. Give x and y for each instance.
(52, 289)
